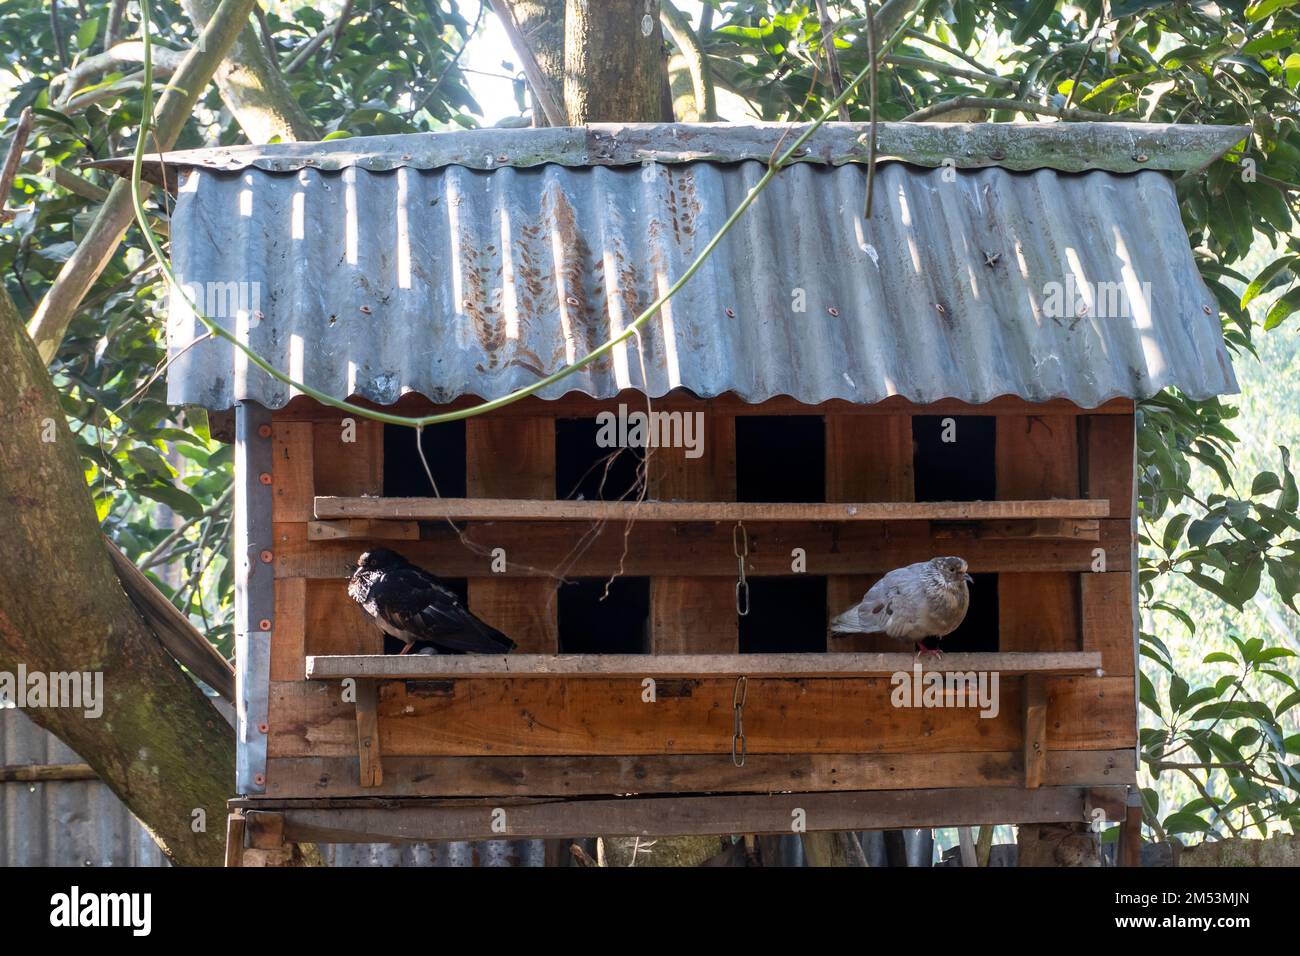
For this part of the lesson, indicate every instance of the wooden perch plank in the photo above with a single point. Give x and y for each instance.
(507, 509)
(42, 773)
(638, 666)
(363, 528)
(664, 548)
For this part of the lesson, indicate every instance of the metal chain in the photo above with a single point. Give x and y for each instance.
(738, 733)
(740, 546)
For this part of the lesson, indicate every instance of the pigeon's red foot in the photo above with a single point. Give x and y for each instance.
(405, 649)
(923, 651)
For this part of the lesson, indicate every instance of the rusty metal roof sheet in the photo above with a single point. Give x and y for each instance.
(965, 283)
(1068, 147)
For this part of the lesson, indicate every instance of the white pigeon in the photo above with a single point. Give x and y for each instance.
(926, 599)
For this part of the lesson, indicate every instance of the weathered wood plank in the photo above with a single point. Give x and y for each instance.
(1035, 733)
(369, 765)
(1108, 624)
(1038, 457)
(688, 773)
(288, 634)
(867, 459)
(661, 548)
(695, 614)
(511, 509)
(510, 458)
(686, 816)
(1039, 611)
(1109, 444)
(557, 716)
(639, 666)
(348, 467)
(335, 624)
(363, 528)
(292, 465)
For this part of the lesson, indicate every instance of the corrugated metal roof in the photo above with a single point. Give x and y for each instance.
(1068, 147)
(62, 822)
(967, 284)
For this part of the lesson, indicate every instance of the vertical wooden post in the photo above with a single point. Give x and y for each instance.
(235, 839)
(514, 457)
(371, 766)
(695, 615)
(1035, 728)
(868, 458)
(1130, 831)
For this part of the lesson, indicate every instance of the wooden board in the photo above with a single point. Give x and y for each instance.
(511, 509)
(1109, 445)
(639, 666)
(867, 459)
(661, 548)
(1108, 623)
(512, 458)
(1037, 456)
(335, 624)
(1039, 611)
(687, 773)
(343, 467)
(292, 466)
(556, 716)
(684, 816)
(695, 615)
(288, 634)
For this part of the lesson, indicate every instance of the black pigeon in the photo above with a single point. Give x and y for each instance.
(413, 606)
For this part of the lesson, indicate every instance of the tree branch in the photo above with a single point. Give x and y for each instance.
(1022, 106)
(688, 44)
(50, 320)
(544, 91)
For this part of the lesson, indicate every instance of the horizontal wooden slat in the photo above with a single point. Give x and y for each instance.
(685, 816)
(639, 666)
(663, 548)
(593, 715)
(538, 509)
(363, 528)
(686, 773)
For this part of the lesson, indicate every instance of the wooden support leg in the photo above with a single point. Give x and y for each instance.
(1035, 721)
(1130, 831)
(372, 771)
(235, 839)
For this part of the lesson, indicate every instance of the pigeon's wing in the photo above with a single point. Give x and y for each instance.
(892, 604)
(416, 603)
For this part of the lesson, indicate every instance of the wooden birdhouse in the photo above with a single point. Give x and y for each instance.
(667, 532)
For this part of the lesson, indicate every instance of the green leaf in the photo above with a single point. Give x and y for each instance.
(1202, 529)
(1266, 276)
(86, 33)
(1183, 822)
(1282, 309)
(180, 502)
(1264, 8)
(1265, 483)
(1034, 18)
(1174, 531)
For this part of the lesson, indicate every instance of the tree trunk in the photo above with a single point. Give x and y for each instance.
(614, 64)
(252, 86)
(540, 25)
(159, 744)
